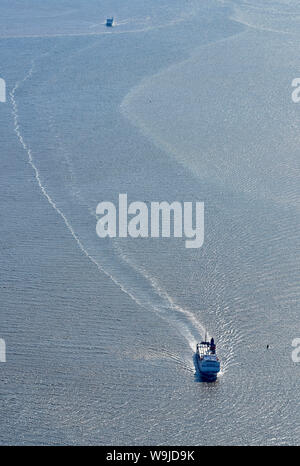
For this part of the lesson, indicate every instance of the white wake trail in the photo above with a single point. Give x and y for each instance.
(44, 191)
(182, 319)
(167, 309)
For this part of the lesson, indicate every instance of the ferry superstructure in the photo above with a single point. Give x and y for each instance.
(207, 360)
(110, 22)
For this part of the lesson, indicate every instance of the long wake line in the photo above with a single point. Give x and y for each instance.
(187, 328)
(43, 189)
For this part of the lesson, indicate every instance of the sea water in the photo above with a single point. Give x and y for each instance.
(187, 102)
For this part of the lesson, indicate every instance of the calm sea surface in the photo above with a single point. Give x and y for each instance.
(179, 101)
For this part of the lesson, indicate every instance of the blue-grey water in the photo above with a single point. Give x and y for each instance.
(187, 101)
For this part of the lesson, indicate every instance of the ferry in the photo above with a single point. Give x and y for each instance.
(207, 360)
(110, 22)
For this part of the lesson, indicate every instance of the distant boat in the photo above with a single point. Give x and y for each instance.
(109, 22)
(207, 360)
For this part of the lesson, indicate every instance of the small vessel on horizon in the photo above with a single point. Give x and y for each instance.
(110, 22)
(207, 360)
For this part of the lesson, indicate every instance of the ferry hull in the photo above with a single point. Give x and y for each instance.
(208, 370)
(207, 360)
